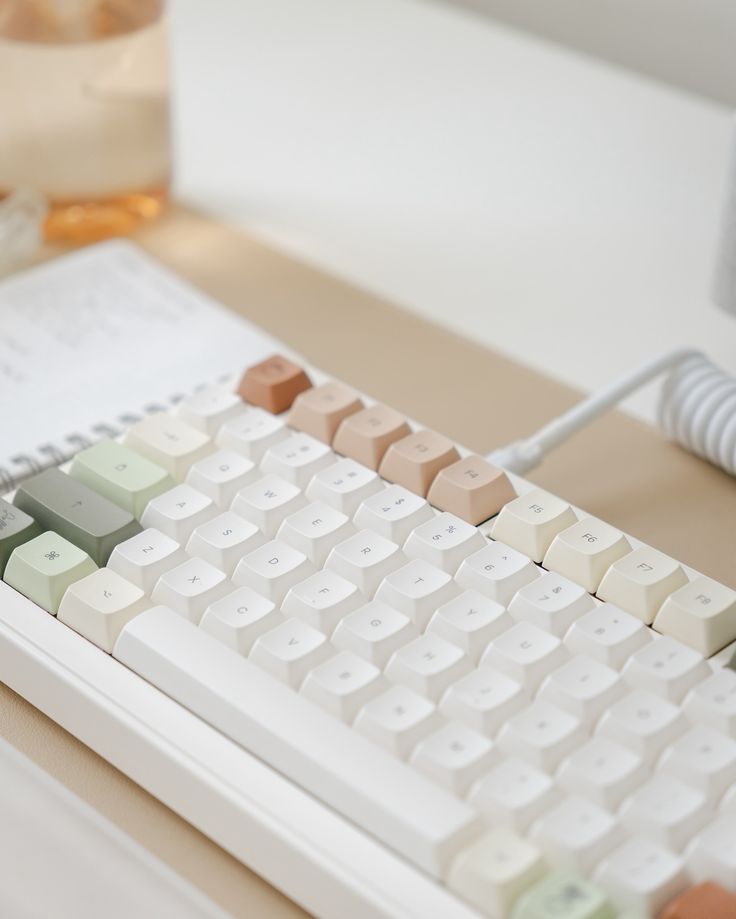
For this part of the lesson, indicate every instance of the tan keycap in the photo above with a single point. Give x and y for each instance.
(366, 435)
(273, 384)
(472, 489)
(704, 901)
(415, 460)
(319, 411)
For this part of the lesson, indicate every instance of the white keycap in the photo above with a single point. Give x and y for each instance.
(221, 475)
(343, 684)
(143, 558)
(584, 687)
(168, 442)
(642, 875)
(666, 667)
(315, 530)
(365, 559)
(394, 513)
(495, 870)
(417, 590)
(454, 756)
(576, 834)
(267, 502)
(727, 804)
(191, 587)
(704, 758)
(723, 658)
(322, 600)
(99, 605)
(272, 569)
(513, 794)
(702, 614)
(398, 719)
(607, 634)
(712, 856)
(526, 653)
(603, 771)
(497, 571)
(444, 541)
(643, 722)
(641, 581)
(290, 650)
(297, 459)
(344, 485)
(585, 551)
(428, 665)
(178, 512)
(470, 621)
(667, 811)
(252, 432)
(208, 409)
(363, 783)
(239, 618)
(531, 522)
(713, 702)
(375, 632)
(484, 699)
(542, 735)
(224, 540)
(551, 602)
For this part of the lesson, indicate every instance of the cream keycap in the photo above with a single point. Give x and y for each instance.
(221, 475)
(99, 605)
(297, 459)
(366, 435)
(169, 442)
(472, 488)
(320, 410)
(585, 551)
(495, 870)
(531, 522)
(240, 617)
(414, 461)
(394, 513)
(641, 581)
(344, 485)
(702, 614)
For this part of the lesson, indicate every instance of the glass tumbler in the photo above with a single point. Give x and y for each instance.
(84, 111)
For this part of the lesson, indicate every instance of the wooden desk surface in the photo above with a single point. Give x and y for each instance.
(619, 469)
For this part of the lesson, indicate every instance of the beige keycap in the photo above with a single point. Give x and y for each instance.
(701, 614)
(472, 488)
(641, 581)
(532, 521)
(273, 384)
(366, 435)
(585, 551)
(414, 461)
(320, 410)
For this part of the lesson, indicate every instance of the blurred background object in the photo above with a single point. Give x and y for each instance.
(84, 97)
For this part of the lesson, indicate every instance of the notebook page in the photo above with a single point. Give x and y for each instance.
(99, 334)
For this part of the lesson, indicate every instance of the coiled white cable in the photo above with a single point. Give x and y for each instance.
(697, 409)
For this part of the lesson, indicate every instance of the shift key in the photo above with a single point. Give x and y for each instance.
(66, 506)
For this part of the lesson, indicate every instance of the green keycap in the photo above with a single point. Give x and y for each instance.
(120, 474)
(43, 568)
(15, 529)
(563, 895)
(63, 504)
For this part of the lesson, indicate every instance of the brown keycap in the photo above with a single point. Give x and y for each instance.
(319, 411)
(273, 384)
(472, 489)
(415, 460)
(365, 436)
(704, 901)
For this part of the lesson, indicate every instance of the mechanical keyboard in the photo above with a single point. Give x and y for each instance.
(389, 676)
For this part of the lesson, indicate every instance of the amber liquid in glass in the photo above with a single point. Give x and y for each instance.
(84, 111)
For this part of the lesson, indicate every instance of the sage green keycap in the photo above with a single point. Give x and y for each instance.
(120, 474)
(563, 895)
(68, 507)
(43, 568)
(15, 529)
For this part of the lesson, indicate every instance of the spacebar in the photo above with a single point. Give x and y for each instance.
(382, 795)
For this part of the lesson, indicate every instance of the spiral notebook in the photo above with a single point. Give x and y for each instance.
(92, 341)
